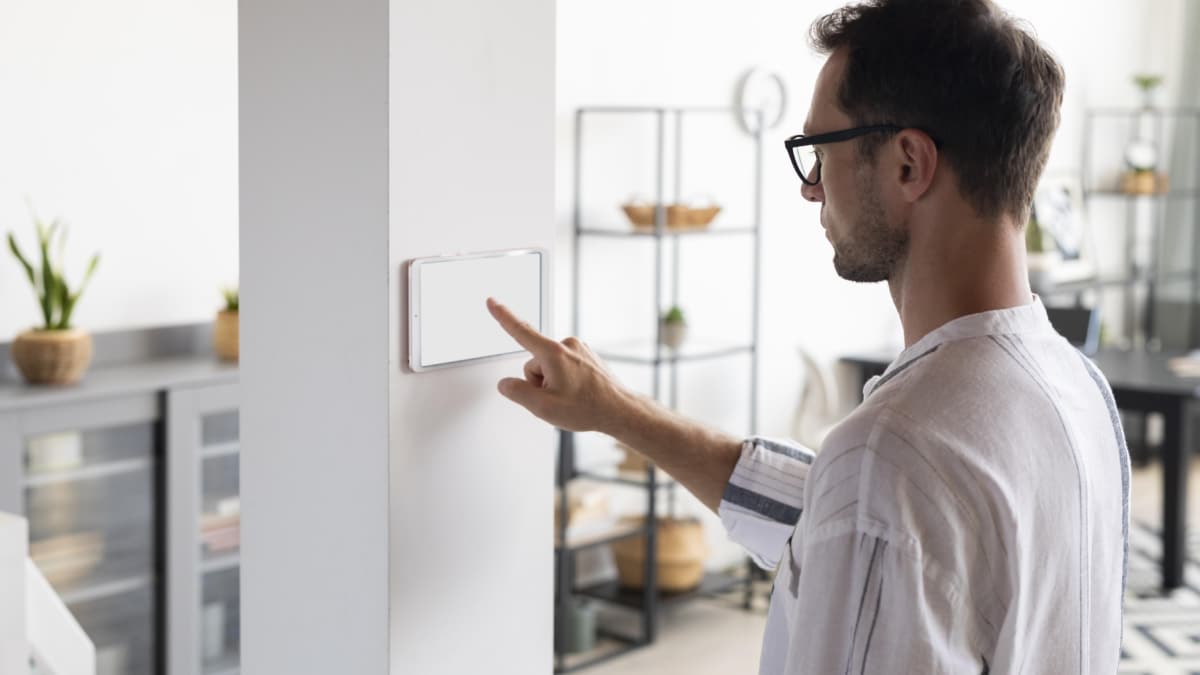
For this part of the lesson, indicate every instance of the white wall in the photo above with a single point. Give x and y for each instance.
(688, 52)
(121, 118)
(472, 169)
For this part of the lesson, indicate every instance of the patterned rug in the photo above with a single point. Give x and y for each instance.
(1162, 633)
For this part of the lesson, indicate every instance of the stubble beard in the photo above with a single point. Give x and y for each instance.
(875, 248)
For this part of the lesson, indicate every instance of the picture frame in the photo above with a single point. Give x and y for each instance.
(1058, 208)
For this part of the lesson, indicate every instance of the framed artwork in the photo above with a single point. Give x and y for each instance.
(1058, 210)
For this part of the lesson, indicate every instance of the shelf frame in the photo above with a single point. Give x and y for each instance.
(1148, 278)
(648, 600)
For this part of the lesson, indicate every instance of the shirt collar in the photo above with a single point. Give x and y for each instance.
(1027, 319)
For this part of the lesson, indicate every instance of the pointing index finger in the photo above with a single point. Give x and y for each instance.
(525, 335)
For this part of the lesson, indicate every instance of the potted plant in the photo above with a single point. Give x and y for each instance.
(225, 330)
(1147, 82)
(672, 328)
(56, 352)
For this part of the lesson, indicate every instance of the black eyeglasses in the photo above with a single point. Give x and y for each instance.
(805, 159)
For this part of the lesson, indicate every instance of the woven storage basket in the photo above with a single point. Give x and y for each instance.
(52, 356)
(225, 335)
(1144, 183)
(679, 216)
(642, 215)
(681, 551)
(703, 216)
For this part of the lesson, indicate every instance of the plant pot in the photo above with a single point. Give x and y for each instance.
(52, 356)
(672, 333)
(225, 335)
(681, 551)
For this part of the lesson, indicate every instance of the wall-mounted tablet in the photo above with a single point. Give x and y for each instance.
(449, 322)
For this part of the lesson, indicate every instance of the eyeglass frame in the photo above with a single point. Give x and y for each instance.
(802, 140)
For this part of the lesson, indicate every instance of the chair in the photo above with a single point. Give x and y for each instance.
(817, 409)
(1079, 325)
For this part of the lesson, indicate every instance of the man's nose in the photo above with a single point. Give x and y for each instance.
(813, 193)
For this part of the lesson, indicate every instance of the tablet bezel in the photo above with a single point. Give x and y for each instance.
(414, 303)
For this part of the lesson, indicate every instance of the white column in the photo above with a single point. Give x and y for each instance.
(393, 522)
(314, 335)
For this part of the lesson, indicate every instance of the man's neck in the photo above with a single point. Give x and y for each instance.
(956, 269)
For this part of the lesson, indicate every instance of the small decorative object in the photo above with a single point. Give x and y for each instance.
(65, 559)
(1147, 82)
(55, 353)
(760, 92)
(54, 452)
(681, 551)
(693, 215)
(1061, 228)
(1144, 182)
(1141, 156)
(582, 625)
(112, 660)
(214, 631)
(225, 330)
(1040, 258)
(672, 328)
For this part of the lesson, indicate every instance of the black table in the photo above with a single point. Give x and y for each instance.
(1141, 382)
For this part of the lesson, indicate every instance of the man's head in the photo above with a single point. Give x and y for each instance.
(977, 102)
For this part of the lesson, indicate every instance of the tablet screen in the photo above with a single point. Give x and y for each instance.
(449, 311)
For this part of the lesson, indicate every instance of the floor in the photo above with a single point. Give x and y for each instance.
(714, 637)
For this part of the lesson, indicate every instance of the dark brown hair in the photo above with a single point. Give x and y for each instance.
(964, 72)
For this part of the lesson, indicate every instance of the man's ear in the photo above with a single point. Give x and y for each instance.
(918, 159)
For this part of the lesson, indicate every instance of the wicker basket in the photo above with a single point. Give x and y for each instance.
(1144, 183)
(681, 551)
(679, 216)
(52, 356)
(704, 215)
(225, 335)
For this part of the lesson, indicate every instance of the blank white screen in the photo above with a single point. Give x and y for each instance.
(455, 324)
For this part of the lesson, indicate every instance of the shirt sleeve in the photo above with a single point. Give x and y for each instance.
(764, 497)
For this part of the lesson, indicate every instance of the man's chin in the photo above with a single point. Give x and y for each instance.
(866, 274)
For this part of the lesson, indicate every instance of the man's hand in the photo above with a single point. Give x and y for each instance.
(565, 383)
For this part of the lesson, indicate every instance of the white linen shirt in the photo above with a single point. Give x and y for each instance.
(971, 516)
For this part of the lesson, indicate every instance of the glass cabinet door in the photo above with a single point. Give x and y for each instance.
(219, 542)
(91, 494)
(205, 532)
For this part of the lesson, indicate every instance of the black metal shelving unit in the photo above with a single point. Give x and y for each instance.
(1144, 276)
(649, 600)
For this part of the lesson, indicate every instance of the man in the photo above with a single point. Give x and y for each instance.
(971, 515)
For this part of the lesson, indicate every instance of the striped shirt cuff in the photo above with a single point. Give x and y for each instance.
(764, 497)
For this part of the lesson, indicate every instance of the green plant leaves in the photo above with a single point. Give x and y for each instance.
(49, 283)
(16, 250)
(231, 298)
